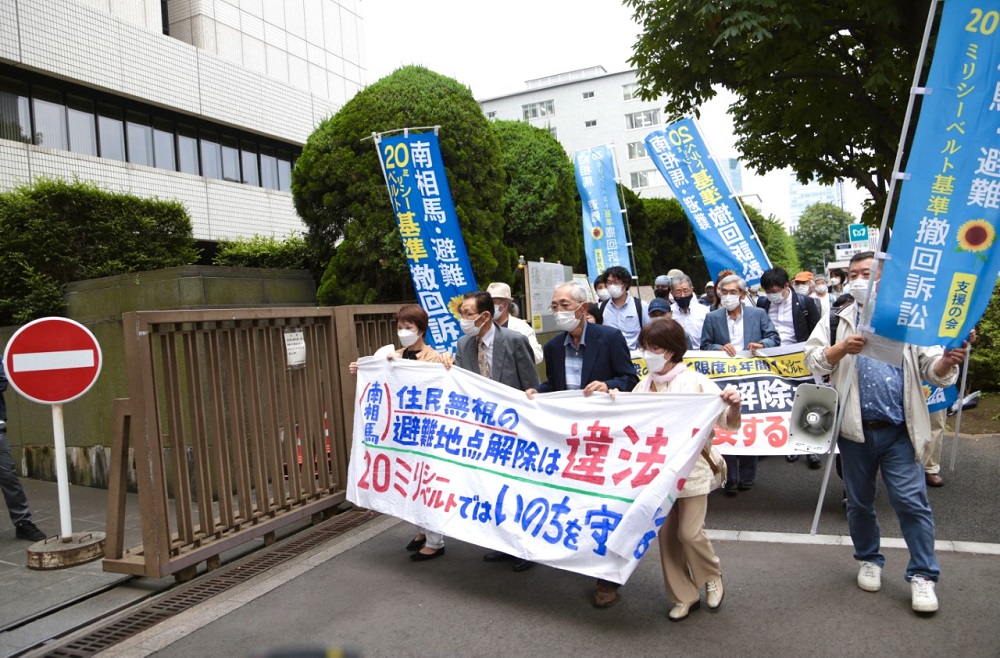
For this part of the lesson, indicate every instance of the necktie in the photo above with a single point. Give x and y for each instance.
(484, 364)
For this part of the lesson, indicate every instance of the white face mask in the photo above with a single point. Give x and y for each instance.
(497, 310)
(567, 320)
(802, 289)
(821, 289)
(654, 362)
(859, 291)
(729, 302)
(776, 297)
(834, 282)
(469, 327)
(603, 294)
(615, 291)
(407, 337)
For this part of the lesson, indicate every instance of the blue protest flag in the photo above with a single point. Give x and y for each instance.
(942, 262)
(432, 238)
(723, 233)
(604, 238)
(939, 399)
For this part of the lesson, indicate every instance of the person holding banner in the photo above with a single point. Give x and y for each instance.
(411, 327)
(731, 329)
(589, 357)
(885, 427)
(688, 559)
(502, 355)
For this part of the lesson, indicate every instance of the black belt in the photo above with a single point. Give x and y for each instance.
(877, 424)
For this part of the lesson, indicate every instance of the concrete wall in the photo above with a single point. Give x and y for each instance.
(98, 304)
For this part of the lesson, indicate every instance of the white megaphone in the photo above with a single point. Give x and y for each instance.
(814, 411)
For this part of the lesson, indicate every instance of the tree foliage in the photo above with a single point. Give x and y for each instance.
(339, 191)
(778, 245)
(984, 360)
(663, 239)
(821, 87)
(821, 226)
(54, 232)
(540, 205)
(263, 251)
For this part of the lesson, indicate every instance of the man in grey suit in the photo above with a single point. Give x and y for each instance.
(503, 355)
(733, 328)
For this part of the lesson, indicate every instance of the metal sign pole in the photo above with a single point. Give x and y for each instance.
(62, 474)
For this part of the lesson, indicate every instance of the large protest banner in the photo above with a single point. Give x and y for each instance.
(726, 239)
(766, 385)
(576, 483)
(432, 238)
(604, 239)
(942, 261)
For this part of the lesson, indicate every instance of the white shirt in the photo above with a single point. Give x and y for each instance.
(624, 319)
(692, 320)
(736, 330)
(520, 326)
(781, 318)
(824, 304)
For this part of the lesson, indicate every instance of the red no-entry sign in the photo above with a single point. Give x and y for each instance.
(52, 360)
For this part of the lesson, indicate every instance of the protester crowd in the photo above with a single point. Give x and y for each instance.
(886, 425)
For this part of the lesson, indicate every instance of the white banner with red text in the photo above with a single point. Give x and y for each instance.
(576, 483)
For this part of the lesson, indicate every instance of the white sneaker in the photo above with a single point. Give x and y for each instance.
(922, 596)
(714, 593)
(870, 577)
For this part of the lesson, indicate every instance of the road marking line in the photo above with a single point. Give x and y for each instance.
(941, 545)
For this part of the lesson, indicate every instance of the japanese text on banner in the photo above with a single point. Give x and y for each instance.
(942, 260)
(578, 483)
(723, 233)
(432, 239)
(604, 239)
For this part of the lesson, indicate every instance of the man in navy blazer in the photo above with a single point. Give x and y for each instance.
(751, 326)
(587, 357)
(792, 314)
(598, 356)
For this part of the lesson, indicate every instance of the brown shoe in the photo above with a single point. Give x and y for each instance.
(934, 480)
(605, 596)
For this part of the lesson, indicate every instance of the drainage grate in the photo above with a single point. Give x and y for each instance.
(152, 614)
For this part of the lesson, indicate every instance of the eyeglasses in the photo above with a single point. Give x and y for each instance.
(564, 306)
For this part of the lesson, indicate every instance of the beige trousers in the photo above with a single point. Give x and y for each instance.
(685, 550)
(932, 453)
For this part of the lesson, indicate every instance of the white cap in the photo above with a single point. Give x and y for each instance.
(499, 290)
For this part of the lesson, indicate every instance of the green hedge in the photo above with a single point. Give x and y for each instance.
(263, 251)
(53, 232)
(984, 362)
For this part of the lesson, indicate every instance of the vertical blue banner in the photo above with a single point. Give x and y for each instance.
(432, 239)
(942, 260)
(604, 237)
(723, 233)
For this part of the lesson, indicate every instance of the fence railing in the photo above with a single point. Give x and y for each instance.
(232, 437)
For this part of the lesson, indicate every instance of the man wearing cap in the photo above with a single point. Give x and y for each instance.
(500, 292)
(708, 299)
(803, 283)
(821, 293)
(661, 287)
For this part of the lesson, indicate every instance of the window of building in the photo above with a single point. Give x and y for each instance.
(590, 124)
(82, 121)
(553, 132)
(636, 150)
(640, 179)
(268, 168)
(187, 149)
(630, 91)
(110, 132)
(231, 159)
(540, 109)
(211, 154)
(248, 156)
(15, 111)
(284, 170)
(139, 136)
(642, 119)
(163, 145)
(50, 119)
(491, 115)
(588, 94)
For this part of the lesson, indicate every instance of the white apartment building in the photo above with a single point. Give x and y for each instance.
(208, 102)
(802, 196)
(591, 107)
